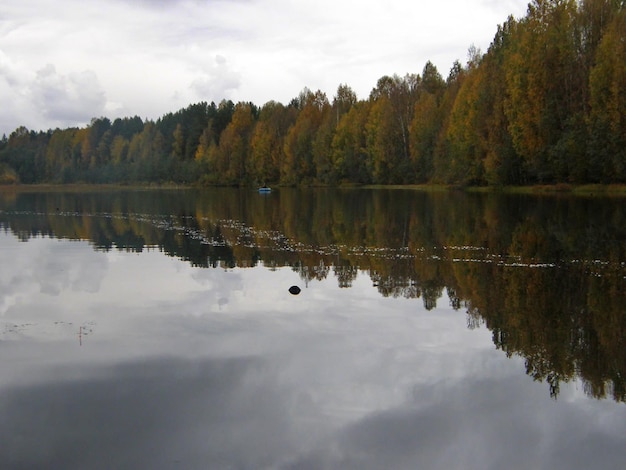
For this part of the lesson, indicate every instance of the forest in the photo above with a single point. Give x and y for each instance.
(545, 104)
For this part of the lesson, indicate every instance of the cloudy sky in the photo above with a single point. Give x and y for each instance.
(64, 62)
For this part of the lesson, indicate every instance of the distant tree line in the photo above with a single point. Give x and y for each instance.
(545, 104)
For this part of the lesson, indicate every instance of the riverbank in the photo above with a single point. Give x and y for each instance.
(561, 188)
(84, 187)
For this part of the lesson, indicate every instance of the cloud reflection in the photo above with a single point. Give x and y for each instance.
(211, 368)
(238, 413)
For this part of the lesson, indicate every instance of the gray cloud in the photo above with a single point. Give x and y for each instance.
(47, 98)
(7, 70)
(13, 93)
(72, 98)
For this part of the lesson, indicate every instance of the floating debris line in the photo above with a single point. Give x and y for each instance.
(231, 233)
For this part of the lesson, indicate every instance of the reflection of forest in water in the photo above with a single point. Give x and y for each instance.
(544, 274)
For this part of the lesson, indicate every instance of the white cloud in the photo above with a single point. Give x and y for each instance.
(152, 57)
(216, 79)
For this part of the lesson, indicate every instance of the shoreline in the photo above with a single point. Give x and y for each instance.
(552, 189)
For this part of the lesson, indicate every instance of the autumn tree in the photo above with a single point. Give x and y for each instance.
(298, 165)
(234, 146)
(608, 104)
(426, 123)
(205, 153)
(502, 164)
(442, 167)
(466, 132)
(544, 89)
(58, 162)
(348, 149)
(267, 142)
(344, 100)
(89, 139)
(119, 151)
(393, 101)
(147, 156)
(23, 154)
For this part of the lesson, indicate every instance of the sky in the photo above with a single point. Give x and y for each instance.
(64, 62)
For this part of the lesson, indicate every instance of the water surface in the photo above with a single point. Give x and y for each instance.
(155, 329)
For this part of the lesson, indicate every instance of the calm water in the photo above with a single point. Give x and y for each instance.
(155, 329)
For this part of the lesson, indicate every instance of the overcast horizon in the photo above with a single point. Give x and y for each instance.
(64, 63)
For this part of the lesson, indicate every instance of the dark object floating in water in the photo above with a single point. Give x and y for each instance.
(295, 290)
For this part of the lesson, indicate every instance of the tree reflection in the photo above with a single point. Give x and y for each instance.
(546, 275)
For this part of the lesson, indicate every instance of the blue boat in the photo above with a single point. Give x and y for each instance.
(265, 189)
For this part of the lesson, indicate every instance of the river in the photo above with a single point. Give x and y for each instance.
(157, 329)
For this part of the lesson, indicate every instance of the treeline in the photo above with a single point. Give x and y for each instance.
(545, 104)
